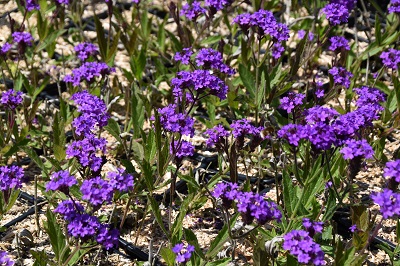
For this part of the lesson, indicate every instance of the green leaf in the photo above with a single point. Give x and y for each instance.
(157, 213)
(56, 236)
(59, 137)
(32, 154)
(177, 226)
(101, 37)
(41, 258)
(211, 40)
(137, 111)
(50, 39)
(295, 62)
(192, 240)
(289, 193)
(138, 152)
(260, 255)
(114, 129)
(10, 150)
(378, 33)
(168, 255)
(113, 49)
(247, 80)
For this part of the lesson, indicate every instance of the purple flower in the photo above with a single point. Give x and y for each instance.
(321, 114)
(336, 13)
(31, 5)
(292, 133)
(216, 5)
(357, 148)
(339, 43)
(85, 151)
(209, 58)
(11, 177)
(290, 102)
(5, 260)
(83, 226)
(392, 170)
(227, 192)
(243, 127)
(341, 76)
(353, 228)
(63, 2)
(107, 237)
(181, 149)
(88, 71)
(183, 254)
(217, 136)
(391, 58)
(62, 181)
(24, 38)
(349, 4)
(388, 201)
(277, 50)
(394, 6)
(120, 180)
(192, 11)
(312, 227)
(86, 49)
(346, 125)
(184, 56)
(302, 33)
(176, 122)
(96, 191)
(11, 99)
(321, 135)
(253, 206)
(5, 48)
(69, 209)
(369, 96)
(301, 245)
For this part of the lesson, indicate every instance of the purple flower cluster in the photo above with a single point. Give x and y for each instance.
(86, 150)
(181, 149)
(356, 148)
(11, 99)
(22, 38)
(394, 6)
(184, 56)
(293, 133)
(389, 203)
(5, 260)
(349, 4)
(31, 5)
(227, 192)
(63, 2)
(209, 58)
(62, 181)
(312, 227)
(369, 97)
(88, 71)
(290, 102)
(183, 254)
(302, 33)
(175, 122)
(94, 113)
(264, 23)
(391, 58)
(336, 13)
(86, 49)
(341, 76)
(5, 48)
(392, 170)
(193, 10)
(120, 180)
(243, 127)
(300, 244)
(339, 43)
(84, 226)
(217, 136)
(199, 81)
(11, 177)
(96, 191)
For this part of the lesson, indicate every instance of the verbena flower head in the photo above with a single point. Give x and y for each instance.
(183, 253)
(388, 201)
(301, 245)
(11, 99)
(391, 58)
(349, 4)
(293, 133)
(193, 10)
(86, 150)
(11, 177)
(291, 101)
(338, 43)
(216, 5)
(253, 206)
(201, 81)
(353, 228)
(87, 72)
(107, 237)
(5, 260)
(321, 135)
(336, 13)
(63, 2)
(175, 122)
(321, 114)
(312, 227)
(5, 48)
(209, 58)
(83, 226)
(184, 56)
(357, 148)
(392, 170)
(347, 125)
(341, 76)
(217, 136)
(120, 180)
(69, 209)
(372, 96)
(86, 49)
(31, 5)
(227, 192)
(24, 38)
(62, 181)
(181, 149)
(96, 191)
(394, 6)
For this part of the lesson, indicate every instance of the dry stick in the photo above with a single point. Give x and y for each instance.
(36, 207)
